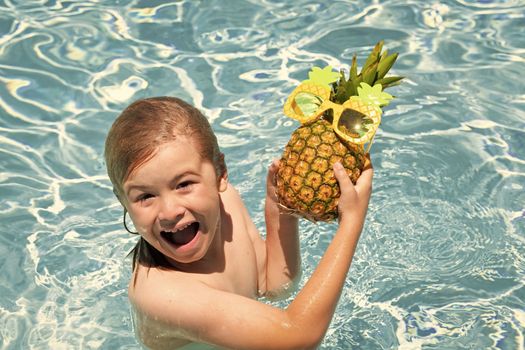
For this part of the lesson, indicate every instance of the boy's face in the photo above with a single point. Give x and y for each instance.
(173, 200)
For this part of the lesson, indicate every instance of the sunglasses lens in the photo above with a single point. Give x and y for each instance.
(354, 124)
(307, 103)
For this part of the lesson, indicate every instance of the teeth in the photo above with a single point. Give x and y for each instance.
(178, 229)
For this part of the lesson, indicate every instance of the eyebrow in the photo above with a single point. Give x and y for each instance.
(142, 188)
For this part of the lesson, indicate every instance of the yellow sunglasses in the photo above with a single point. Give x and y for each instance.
(355, 120)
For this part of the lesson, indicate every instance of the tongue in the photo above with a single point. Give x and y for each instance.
(185, 236)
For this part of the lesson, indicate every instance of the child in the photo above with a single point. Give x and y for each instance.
(200, 263)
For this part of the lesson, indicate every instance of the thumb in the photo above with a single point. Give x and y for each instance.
(272, 170)
(271, 178)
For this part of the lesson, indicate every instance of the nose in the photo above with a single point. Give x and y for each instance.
(170, 211)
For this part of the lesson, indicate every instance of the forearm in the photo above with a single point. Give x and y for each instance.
(282, 247)
(315, 304)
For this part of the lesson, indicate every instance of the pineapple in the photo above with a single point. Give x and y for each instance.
(306, 184)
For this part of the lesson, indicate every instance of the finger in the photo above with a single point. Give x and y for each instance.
(342, 177)
(272, 171)
(368, 162)
(364, 182)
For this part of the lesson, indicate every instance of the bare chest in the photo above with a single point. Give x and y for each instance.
(239, 274)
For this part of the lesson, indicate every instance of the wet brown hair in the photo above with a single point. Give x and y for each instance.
(136, 135)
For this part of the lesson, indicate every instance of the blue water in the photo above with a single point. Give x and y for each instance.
(441, 262)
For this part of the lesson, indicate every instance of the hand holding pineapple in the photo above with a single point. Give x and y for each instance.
(339, 117)
(353, 202)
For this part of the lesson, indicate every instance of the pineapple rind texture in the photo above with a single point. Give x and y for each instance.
(306, 183)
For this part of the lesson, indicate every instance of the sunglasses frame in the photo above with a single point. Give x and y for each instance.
(292, 110)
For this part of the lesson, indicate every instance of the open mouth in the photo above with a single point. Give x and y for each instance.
(183, 235)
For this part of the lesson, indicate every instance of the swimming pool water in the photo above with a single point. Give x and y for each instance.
(441, 262)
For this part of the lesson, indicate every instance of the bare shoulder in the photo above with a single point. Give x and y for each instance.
(238, 213)
(149, 283)
(155, 295)
(231, 196)
(244, 225)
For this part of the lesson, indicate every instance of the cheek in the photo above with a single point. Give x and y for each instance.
(207, 208)
(140, 216)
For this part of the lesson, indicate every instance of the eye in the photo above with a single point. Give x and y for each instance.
(144, 197)
(184, 185)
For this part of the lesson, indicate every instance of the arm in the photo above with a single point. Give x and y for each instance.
(188, 309)
(282, 241)
(326, 283)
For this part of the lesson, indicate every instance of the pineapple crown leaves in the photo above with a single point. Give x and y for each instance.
(324, 77)
(372, 73)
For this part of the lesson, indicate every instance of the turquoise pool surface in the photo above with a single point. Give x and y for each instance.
(441, 262)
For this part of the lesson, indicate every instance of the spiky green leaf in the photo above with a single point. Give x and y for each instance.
(389, 81)
(383, 55)
(342, 78)
(353, 68)
(344, 91)
(369, 75)
(336, 87)
(374, 56)
(356, 82)
(386, 64)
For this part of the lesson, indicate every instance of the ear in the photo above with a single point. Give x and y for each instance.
(223, 176)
